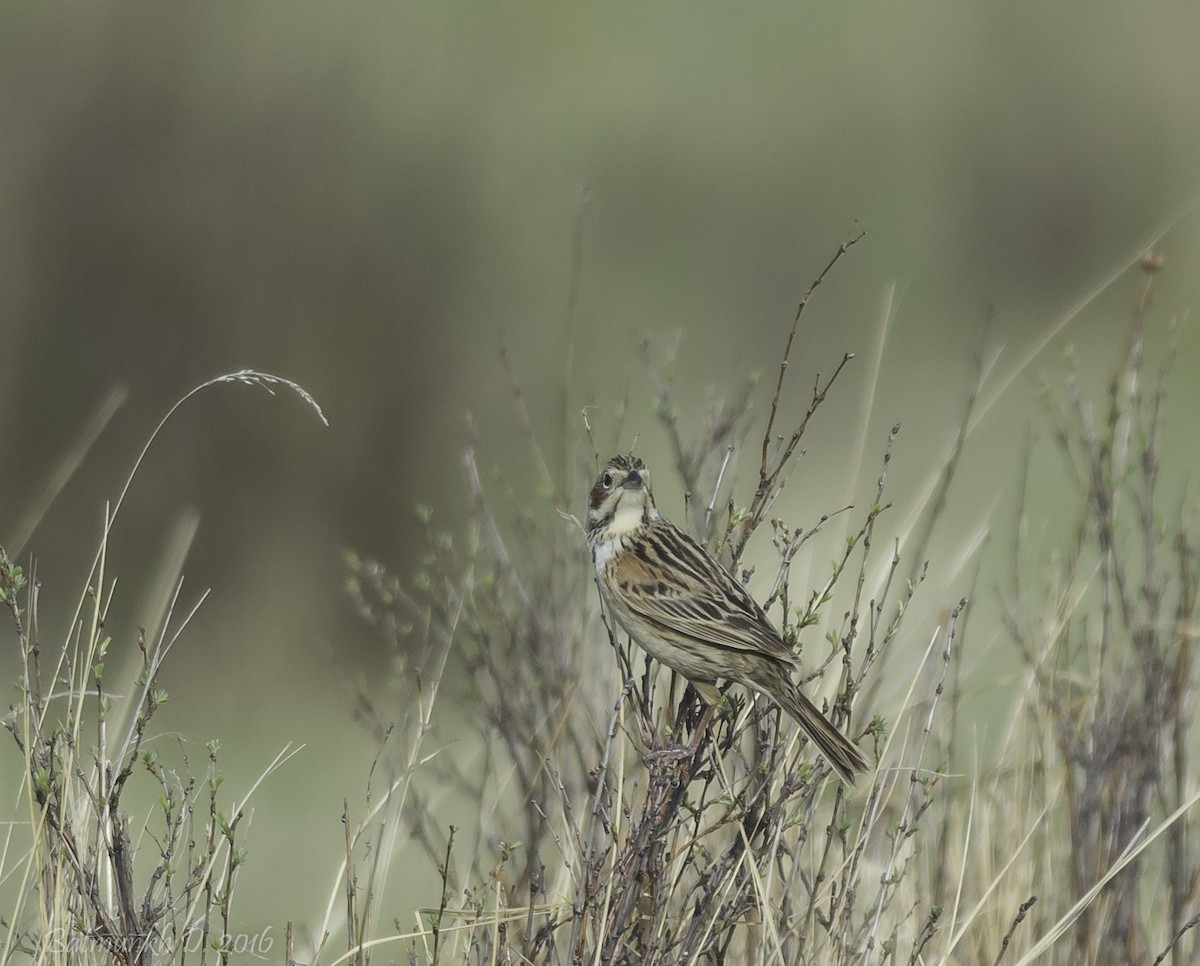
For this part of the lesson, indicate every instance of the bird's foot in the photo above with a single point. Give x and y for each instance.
(674, 751)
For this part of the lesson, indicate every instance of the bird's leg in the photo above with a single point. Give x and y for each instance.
(678, 752)
(701, 728)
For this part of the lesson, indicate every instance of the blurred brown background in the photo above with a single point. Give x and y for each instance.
(366, 199)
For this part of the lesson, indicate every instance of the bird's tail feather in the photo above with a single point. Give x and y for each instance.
(838, 750)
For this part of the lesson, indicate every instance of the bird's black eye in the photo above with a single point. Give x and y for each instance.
(607, 480)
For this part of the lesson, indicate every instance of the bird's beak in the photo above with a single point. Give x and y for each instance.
(633, 481)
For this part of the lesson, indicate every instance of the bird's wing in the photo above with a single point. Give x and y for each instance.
(670, 581)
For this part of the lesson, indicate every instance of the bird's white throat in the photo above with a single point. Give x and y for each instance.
(629, 517)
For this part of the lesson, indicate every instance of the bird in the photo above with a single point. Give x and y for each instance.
(688, 612)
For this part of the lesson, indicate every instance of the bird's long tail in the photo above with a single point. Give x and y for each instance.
(838, 750)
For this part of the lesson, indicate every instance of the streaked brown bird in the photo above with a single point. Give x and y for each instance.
(685, 610)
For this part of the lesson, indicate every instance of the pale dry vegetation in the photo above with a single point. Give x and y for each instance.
(1068, 844)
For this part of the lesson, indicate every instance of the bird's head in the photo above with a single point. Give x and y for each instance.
(620, 500)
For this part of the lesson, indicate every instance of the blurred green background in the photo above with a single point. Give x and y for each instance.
(369, 198)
